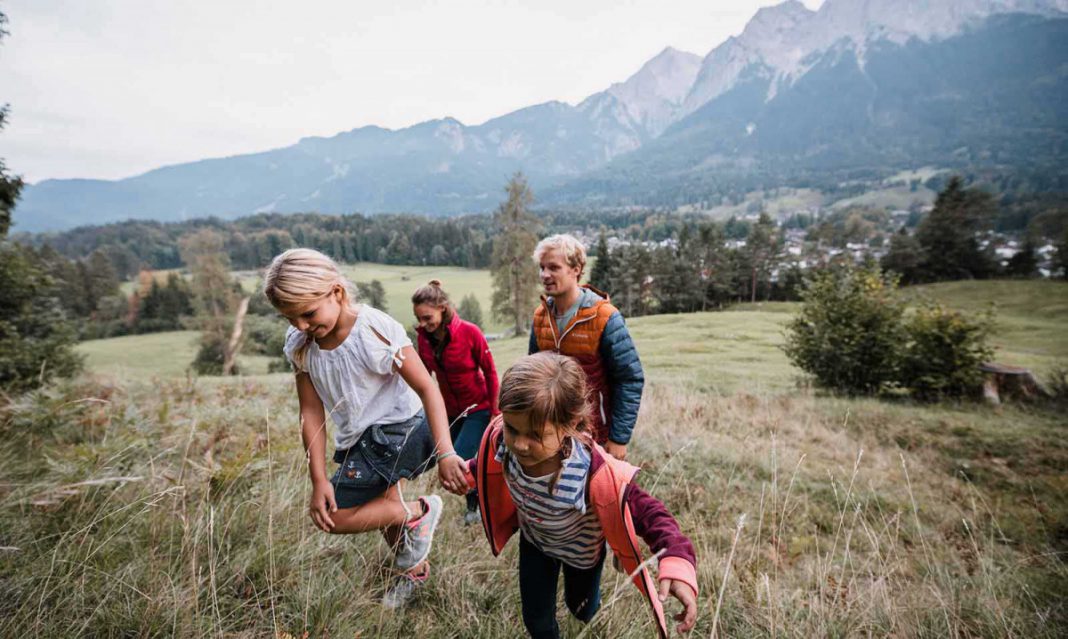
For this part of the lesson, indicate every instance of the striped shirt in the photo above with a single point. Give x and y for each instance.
(557, 523)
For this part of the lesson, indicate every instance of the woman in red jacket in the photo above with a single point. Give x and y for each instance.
(456, 352)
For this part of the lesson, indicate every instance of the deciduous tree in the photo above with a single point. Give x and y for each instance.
(515, 276)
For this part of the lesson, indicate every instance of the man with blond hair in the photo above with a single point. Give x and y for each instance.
(579, 321)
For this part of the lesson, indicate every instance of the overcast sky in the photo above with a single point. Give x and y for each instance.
(113, 88)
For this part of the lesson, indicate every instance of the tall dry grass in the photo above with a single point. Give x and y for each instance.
(178, 508)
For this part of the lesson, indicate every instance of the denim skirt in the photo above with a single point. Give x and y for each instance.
(383, 455)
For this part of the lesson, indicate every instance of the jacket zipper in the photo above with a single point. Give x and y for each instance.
(552, 324)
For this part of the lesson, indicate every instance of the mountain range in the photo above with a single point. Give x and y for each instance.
(854, 90)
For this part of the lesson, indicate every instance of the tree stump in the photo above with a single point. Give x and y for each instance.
(1002, 380)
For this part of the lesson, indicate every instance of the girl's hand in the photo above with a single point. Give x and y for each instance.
(322, 504)
(685, 595)
(451, 473)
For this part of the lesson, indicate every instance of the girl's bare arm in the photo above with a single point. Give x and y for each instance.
(450, 466)
(313, 433)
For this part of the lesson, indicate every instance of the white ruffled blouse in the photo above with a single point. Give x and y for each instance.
(356, 380)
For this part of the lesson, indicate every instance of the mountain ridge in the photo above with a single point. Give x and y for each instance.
(444, 166)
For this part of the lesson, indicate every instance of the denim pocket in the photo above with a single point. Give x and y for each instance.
(355, 472)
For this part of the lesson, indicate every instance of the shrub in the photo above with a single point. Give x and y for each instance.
(267, 336)
(849, 330)
(471, 310)
(1057, 383)
(944, 351)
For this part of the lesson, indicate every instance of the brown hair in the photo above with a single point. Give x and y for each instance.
(550, 387)
(431, 293)
(301, 276)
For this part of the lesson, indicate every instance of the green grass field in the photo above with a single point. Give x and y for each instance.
(165, 505)
(401, 281)
(155, 355)
(1031, 317)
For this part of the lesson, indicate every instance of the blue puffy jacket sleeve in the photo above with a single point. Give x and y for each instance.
(533, 346)
(625, 376)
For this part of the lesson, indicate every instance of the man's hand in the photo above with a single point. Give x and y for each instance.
(451, 473)
(682, 592)
(619, 451)
(322, 503)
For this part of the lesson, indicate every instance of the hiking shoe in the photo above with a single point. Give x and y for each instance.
(472, 517)
(406, 585)
(418, 535)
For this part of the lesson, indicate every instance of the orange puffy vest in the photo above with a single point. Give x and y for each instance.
(581, 340)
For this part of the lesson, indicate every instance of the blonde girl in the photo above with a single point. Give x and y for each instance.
(356, 364)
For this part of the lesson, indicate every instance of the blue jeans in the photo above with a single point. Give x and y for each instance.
(467, 432)
(538, 574)
(466, 437)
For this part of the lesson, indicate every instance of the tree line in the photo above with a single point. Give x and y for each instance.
(250, 242)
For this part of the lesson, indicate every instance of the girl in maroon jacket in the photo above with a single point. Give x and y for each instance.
(456, 352)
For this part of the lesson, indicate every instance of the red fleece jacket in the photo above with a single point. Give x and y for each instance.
(465, 370)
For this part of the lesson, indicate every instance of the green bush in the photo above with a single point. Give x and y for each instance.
(849, 330)
(266, 335)
(853, 336)
(944, 351)
(471, 310)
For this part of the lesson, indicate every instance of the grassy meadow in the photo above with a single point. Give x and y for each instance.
(159, 504)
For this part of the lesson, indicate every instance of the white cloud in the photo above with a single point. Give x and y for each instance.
(117, 87)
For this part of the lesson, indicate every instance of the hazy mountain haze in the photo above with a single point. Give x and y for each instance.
(799, 94)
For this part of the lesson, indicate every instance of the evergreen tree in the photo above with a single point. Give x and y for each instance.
(948, 234)
(761, 245)
(1060, 258)
(904, 257)
(515, 275)
(1024, 264)
(716, 266)
(101, 281)
(602, 267)
(633, 280)
(10, 185)
(36, 340)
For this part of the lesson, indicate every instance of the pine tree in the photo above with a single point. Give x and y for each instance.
(761, 245)
(36, 340)
(904, 257)
(1024, 264)
(602, 267)
(101, 279)
(515, 276)
(948, 234)
(1060, 258)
